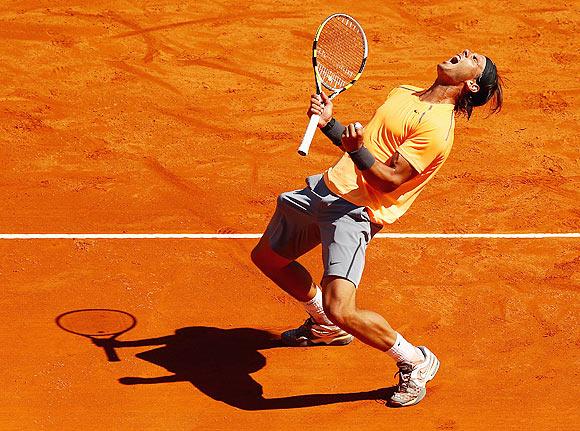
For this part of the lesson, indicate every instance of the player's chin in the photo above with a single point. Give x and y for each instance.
(441, 67)
(445, 72)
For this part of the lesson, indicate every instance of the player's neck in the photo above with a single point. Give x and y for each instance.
(440, 93)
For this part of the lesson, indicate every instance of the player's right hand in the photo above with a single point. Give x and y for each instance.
(321, 105)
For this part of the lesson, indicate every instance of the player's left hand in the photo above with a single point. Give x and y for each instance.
(352, 138)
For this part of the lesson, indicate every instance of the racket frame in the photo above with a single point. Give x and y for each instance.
(313, 123)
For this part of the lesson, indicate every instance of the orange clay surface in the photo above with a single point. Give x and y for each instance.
(176, 116)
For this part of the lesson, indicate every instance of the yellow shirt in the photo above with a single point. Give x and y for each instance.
(421, 132)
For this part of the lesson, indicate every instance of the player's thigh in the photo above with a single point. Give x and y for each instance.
(293, 229)
(344, 243)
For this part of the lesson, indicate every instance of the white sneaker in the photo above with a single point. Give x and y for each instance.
(311, 333)
(413, 379)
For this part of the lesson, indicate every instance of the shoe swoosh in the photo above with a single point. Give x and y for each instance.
(423, 374)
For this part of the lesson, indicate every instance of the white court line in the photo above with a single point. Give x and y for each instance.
(28, 236)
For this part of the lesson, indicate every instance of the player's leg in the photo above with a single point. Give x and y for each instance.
(291, 233)
(417, 365)
(339, 302)
(344, 243)
(346, 231)
(317, 329)
(288, 274)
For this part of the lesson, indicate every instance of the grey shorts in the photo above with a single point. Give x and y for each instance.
(314, 215)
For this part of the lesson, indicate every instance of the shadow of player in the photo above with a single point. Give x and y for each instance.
(219, 362)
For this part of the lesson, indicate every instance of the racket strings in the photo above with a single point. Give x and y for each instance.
(340, 52)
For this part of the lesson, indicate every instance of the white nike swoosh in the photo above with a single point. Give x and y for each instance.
(423, 374)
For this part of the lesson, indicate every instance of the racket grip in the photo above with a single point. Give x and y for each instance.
(308, 135)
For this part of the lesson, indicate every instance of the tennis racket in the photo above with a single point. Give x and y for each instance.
(339, 55)
(102, 326)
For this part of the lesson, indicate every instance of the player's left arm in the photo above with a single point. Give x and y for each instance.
(388, 177)
(384, 177)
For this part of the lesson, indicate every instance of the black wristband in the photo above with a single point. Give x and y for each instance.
(333, 131)
(362, 158)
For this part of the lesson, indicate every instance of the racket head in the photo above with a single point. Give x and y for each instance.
(339, 53)
(96, 322)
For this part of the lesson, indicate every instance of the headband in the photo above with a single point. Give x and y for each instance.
(487, 83)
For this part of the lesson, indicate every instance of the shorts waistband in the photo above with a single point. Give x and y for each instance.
(317, 185)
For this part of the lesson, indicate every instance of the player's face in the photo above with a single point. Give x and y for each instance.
(462, 67)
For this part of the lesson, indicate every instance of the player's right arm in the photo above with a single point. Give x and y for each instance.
(321, 105)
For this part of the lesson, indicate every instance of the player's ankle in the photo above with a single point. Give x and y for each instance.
(403, 351)
(315, 309)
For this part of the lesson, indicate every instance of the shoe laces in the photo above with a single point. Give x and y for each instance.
(404, 374)
(308, 323)
(320, 329)
(306, 327)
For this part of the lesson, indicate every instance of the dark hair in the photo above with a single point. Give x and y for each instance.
(490, 87)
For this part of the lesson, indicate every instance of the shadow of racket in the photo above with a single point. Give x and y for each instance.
(102, 326)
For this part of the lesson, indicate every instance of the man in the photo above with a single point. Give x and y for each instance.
(384, 168)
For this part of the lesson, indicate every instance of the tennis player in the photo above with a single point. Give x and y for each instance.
(382, 171)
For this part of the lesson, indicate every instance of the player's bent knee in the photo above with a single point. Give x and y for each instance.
(339, 314)
(266, 259)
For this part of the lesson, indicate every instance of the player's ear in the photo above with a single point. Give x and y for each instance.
(472, 86)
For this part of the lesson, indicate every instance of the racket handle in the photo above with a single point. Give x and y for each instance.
(110, 351)
(308, 135)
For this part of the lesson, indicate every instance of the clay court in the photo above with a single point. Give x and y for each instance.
(152, 117)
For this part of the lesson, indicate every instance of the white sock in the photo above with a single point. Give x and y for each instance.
(403, 351)
(315, 309)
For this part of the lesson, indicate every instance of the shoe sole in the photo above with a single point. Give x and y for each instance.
(435, 368)
(304, 342)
